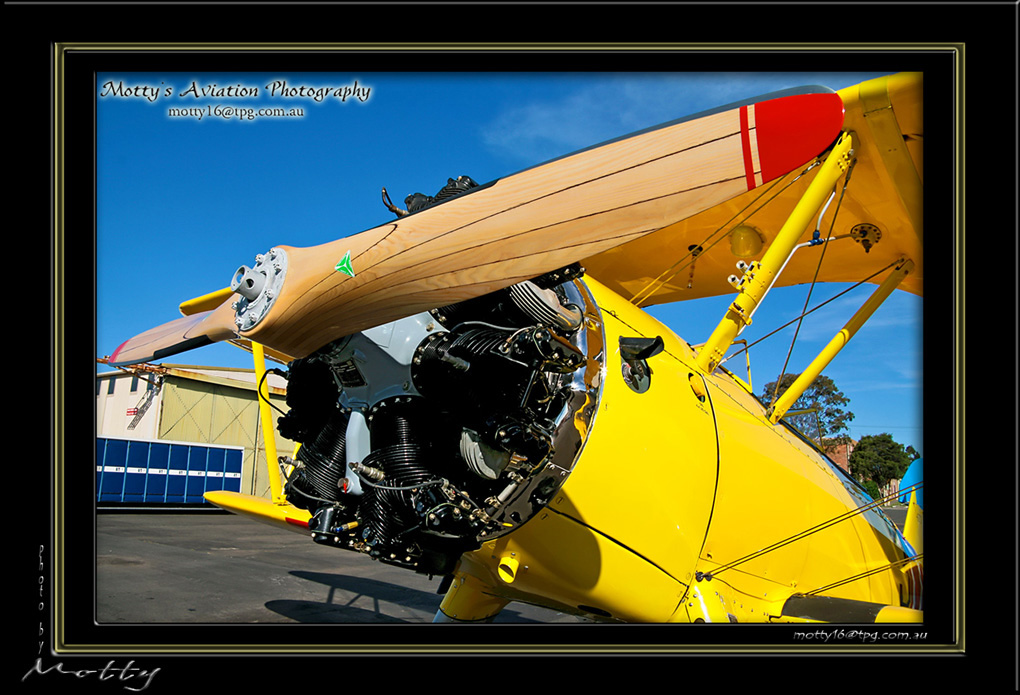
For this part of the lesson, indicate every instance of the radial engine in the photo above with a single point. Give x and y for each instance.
(423, 438)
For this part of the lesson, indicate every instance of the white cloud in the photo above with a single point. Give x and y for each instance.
(606, 106)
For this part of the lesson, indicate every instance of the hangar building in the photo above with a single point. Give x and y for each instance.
(167, 433)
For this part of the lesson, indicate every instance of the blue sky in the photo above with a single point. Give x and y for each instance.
(183, 201)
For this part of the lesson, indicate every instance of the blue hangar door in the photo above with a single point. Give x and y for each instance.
(154, 472)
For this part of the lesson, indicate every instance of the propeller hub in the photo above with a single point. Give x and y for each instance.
(258, 287)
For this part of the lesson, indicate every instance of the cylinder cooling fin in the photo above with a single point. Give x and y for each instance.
(424, 438)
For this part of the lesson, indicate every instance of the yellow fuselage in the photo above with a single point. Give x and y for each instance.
(676, 483)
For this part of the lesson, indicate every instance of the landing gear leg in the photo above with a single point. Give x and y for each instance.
(468, 601)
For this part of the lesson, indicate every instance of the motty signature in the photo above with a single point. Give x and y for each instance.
(133, 679)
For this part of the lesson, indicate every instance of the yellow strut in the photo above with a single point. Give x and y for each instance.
(469, 600)
(266, 418)
(839, 340)
(760, 276)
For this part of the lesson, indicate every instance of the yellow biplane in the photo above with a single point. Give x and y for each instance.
(479, 394)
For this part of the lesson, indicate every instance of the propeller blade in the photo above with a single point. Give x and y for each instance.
(177, 336)
(542, 219)
(512, 229)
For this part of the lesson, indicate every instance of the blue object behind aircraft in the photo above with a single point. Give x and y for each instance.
(913, 476)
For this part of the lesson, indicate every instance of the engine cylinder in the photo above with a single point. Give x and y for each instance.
(401, 439)
(467, 372)
(324, 460)
(462, 424)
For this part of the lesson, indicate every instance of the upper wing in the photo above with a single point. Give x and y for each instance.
(515, 228)
(693, 257)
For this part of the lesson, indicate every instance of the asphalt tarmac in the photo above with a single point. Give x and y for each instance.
(214, 567)
(221, 568)
(897, 515)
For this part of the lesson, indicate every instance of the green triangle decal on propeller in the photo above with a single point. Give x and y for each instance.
(344, 266)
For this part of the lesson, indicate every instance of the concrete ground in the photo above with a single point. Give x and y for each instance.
(221, 568)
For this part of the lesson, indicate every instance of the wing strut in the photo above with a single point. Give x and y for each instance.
(839, 340)
(276, 511)
(761, 275)
(266, 420)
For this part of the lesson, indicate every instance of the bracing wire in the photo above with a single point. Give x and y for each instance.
(862, 575)
(814, 280)
(676, 268)
(808, 313)
(813, 530)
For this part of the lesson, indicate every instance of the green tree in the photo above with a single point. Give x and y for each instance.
(872, 489)
(830, 419)
(879, 458)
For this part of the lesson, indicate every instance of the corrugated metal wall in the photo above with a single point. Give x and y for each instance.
(212, 413)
